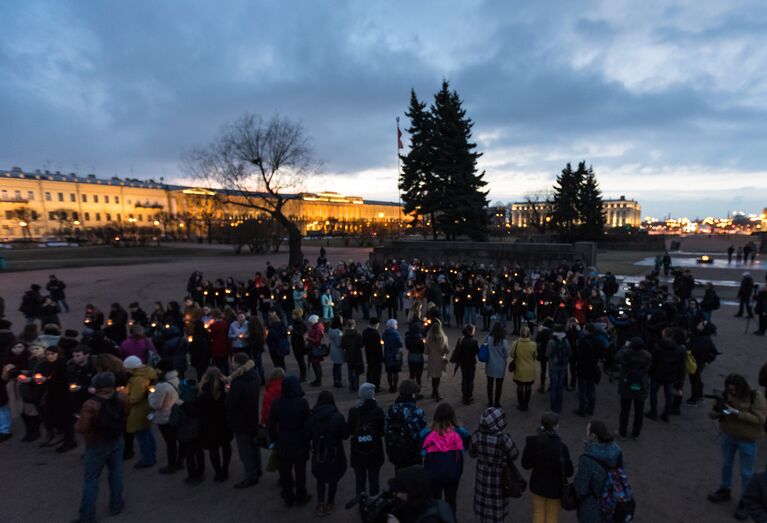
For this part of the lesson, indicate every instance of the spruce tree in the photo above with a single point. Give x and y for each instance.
(565, 206)
(590, 216)
(415, 179)
(455, 185)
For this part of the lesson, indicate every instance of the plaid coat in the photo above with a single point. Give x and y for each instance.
(493, 448)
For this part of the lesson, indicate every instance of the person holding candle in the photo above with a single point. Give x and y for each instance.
(162, 400)
(238, 335)
(138, 423)
(54, 403)
(242, 403)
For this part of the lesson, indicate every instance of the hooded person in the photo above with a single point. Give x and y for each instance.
(366, 429)
(287, 429)
(327, 429)
(138, 424)
(493, 448)
(599, 454)
(392, 351)
(242, 404)
(415, 504)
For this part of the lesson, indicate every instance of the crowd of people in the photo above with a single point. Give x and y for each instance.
(195, 370)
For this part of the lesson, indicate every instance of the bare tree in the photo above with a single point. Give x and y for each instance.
(204, 206)
(539, 216)
(26, 217)
(260, 165)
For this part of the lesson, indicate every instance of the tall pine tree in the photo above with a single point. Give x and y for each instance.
(456, 182)
(565, 205)
(415, 183)
(592, 220)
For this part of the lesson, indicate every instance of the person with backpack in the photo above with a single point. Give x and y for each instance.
(443, 447)
(705, 352)
(366, 429)
(215, 434)
(741, 414)
(495, 367)
(403, 424)
(668, 369)
(101, 422)
(633, 384)
(327, 430)
(138, 424)
(558, 353)
(242, 404)
(392, 350)
(415, 345)
(494, 449)
(162, 400)
(523, 355)
(465, 358)
(600, 482)
(351, 342)
(549, 460)
(287, 430)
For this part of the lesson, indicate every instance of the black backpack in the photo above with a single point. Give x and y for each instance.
(560, 356)
(635, 379)
(401, 446)
(324, 444)
(366, 437)
(110, 421)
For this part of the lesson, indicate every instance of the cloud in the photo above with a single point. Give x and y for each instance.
(657, 96)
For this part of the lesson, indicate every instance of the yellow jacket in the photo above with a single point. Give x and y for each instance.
(523, 352)
(138, 390)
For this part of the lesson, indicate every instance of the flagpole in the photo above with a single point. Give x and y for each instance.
(399, 196)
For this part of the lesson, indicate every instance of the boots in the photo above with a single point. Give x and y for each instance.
(31, 428)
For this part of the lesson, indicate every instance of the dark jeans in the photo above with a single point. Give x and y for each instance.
(745, 303)
(301, 360)
(369, 475)
(258, 360)
(250, 454)
(327, 486)
(416, 371)
(435, 388)
(524, 391)
(374, 375)
(587, 396)
(626, 404)
(354, 377)
(277, 361)
(450, 489)
(557, 376)
(467, 381)
(293, 487)
(195, 459)
(317, 369)
(494, 397)
(696, 384)
(108, 455)
(171, 444)
(393, 379)
(220, 458)
(544, 366)
(147, 446)
(338, 374)
(668, 393)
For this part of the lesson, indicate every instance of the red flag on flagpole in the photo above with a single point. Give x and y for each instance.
(399, 137)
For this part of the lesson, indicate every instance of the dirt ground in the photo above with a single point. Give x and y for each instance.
(671, 466)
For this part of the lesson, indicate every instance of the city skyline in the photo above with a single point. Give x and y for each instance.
(666, 102)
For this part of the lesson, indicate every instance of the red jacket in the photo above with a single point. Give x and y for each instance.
(219, 339)
(315, 334)
(272, 392)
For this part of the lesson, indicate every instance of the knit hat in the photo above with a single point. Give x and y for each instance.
(103, 380)
(367, 391)
(132, 362)
(313, 319)
(391, 323)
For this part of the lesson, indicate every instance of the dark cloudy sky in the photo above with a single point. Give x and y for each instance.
(667, 100)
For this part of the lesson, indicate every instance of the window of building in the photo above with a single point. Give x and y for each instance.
(140, 218)
(118, 217)
(61, 196)
(98, 216)
(72, 197)
(108, 217)
(85, 198)
(75, 216)
(18, 195)
(117, 199)
(30, 195)
(4, 194)
(87, 216)
(95, 198)
(47, 196)
(130, 216)
(106, 198)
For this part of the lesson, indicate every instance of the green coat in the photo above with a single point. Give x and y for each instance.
(138, 390)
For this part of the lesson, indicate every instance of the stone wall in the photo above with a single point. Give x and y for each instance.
(541, 255)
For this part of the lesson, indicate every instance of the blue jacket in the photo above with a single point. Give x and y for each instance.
(392, 347)
(591, 476)
(288, 419)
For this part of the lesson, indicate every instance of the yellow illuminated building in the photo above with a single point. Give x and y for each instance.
(41, 205)
(618, 212)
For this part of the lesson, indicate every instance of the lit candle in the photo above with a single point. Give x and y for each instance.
(190, 339)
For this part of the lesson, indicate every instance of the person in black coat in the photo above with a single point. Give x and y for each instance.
(242, 413)
(465, 358)
(199, 348)
(56, 410)
(635, 361)
(216, 435)
(587, 371)
(327, 430)
(287, 429)
(137, 315)
(30, 303)
(549, 459)
(366, 429)
(415, 346)
(49, 312)
(668, 368)
(55, 288)
(117, 324)
(371, 340)
(298, 330)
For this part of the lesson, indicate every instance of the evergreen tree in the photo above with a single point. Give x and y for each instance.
(565, 206)
(455, 184)
(415, 179)
(592, 220)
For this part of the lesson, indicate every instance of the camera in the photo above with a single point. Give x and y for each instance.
(375, 509)
(720, 402)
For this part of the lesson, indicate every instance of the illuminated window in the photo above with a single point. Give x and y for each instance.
(95, 198)
(106, 199)
(85, 198)
(47, 196)
(61, 196)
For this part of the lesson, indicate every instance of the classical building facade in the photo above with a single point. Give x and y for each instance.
(618, 212)
(42, 204)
